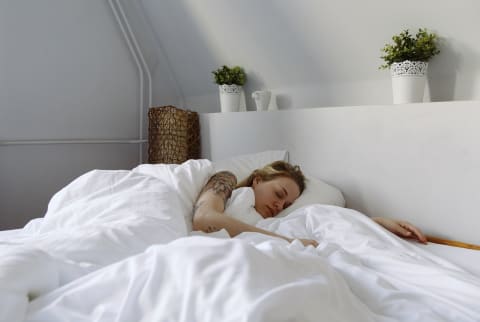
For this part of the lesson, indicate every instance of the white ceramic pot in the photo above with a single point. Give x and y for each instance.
(408, 81)
(230, 97)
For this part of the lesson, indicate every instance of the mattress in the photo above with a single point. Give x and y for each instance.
(467, 259)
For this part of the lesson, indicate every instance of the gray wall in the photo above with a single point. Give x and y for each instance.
(65, 73)
(313, 53)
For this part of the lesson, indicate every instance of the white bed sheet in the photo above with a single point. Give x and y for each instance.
(113, 247)
(98, 219)
(359, 272)
(468, 259)
(6, 234)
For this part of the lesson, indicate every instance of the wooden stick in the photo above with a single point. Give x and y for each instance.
(453, 243)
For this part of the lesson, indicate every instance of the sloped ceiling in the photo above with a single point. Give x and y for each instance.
(311, 53)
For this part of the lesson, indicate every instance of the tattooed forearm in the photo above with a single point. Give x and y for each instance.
(222, 184)
(211, 229)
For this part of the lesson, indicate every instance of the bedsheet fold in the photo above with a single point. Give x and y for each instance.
(359, 272)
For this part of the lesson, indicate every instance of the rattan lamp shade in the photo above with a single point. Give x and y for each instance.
(173, 135)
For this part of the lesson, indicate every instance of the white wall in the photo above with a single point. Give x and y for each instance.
(313, 53)
(417, 162)
(65, 73)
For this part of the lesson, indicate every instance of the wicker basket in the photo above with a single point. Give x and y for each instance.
(173, 135)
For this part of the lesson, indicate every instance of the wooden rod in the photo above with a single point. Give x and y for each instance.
(453, 243)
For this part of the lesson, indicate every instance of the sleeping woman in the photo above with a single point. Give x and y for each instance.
(275, 187)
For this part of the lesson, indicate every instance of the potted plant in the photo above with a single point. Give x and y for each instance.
(407, 59)
(230, 82)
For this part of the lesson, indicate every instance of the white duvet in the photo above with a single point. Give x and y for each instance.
(113, 246)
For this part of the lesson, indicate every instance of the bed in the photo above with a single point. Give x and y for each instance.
(118, 246)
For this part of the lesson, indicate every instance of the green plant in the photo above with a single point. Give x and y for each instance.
(406, 47)
(230, 76)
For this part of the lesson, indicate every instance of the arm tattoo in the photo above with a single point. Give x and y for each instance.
(211, 229)
(222, 184)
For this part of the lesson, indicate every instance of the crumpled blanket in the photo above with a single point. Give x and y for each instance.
(359, 272)
(114, 246)
(98, 219)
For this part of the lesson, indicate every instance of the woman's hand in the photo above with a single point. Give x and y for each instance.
(308, 242)
(401, 228)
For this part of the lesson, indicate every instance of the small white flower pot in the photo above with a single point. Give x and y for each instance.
(408, 81)
(230, 97)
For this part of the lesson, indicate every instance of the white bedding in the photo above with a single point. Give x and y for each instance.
(468, 259)
(114, 247)
(98, 219)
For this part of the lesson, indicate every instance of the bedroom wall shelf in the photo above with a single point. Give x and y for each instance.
(79, 141)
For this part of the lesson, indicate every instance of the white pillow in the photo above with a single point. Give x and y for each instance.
(316, 191)
(243, 165)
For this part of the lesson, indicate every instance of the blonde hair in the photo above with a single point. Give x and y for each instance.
(274, 170)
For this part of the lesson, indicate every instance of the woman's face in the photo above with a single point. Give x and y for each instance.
(273, 196)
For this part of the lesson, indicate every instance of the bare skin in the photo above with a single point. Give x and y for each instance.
(401, 228)
(273, 196)
(209, 209)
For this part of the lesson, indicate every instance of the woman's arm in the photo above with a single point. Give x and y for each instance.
(209, 210)
(401, 228)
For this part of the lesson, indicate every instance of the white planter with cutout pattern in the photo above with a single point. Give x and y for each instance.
(408, 81)
(230, 97)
